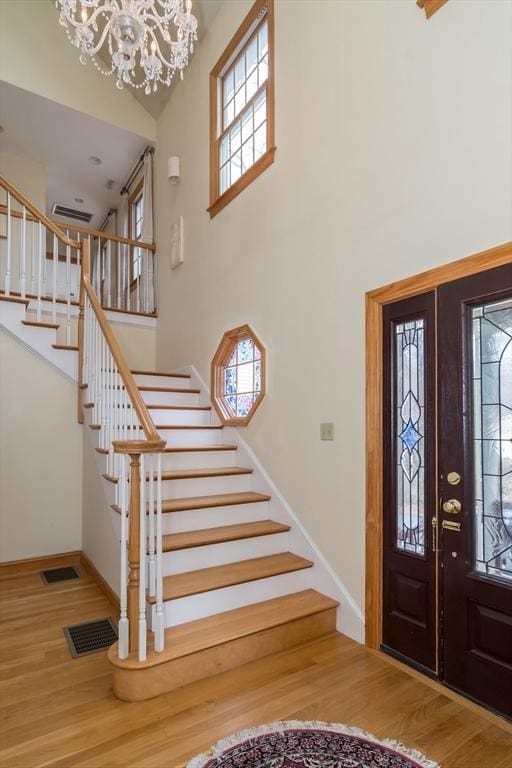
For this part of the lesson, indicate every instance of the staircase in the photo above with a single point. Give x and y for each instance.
(208, 580)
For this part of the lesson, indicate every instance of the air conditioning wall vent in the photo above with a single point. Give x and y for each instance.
(71, 213)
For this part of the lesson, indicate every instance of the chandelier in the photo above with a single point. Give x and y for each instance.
(132, 32)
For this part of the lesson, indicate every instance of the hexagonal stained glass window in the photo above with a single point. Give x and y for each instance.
(238, 376)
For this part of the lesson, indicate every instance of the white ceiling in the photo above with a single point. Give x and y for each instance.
(63, 139)
(205, 11)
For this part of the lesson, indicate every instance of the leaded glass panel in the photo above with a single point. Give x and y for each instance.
(242, 377)
(409, 436)
(492, 438)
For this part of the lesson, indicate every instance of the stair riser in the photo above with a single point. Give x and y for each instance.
(145, 380)
(199, 460)
(170, 398)
(221, 554)
(188, 417)
(205, 486)
(177, 522)
(139, 685)
(227, 599)
(192, 437)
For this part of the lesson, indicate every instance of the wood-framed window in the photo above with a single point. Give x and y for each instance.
(135, 216)
(242, 107)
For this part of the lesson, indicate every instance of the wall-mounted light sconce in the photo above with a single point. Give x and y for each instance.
(173, 169)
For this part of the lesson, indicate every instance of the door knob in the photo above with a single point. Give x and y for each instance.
(452, 506)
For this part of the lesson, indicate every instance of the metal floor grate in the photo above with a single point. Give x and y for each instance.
(90, 637)
(59, 574)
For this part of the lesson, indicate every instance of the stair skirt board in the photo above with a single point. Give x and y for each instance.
(205, 604)
(223, 553)
(205, 651)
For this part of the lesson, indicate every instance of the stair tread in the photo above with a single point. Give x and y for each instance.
(15, 300)
(189, 426)
(189, 539)
(216, 500)
(220, 576)
(160, 373)
(40, 325)
(185, 474)
(177, 390)
(66, 347)
(199, 448)
(152, 407)
(198, 635)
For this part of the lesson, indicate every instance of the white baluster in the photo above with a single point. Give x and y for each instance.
(118, 273)
(123, 588)
(54, 281)
(23, 254)
(68, 292)
(9, 248)
(137, 284)
(159, 634)
(33, 259)
(142, 568)
(151, 524)
(40, 268)
(109, 274)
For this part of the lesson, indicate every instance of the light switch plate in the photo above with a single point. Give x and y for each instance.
(327, 431)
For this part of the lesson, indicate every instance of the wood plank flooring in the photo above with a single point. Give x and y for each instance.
(60, 712)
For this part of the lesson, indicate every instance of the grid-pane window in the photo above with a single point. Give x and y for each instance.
(243, 138)
(136, 215)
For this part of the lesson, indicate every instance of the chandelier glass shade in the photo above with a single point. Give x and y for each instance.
(145, 41)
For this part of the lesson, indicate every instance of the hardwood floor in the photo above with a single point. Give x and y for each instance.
(58, 711)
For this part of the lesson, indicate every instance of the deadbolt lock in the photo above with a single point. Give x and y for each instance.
(453, 478)
(452, 506)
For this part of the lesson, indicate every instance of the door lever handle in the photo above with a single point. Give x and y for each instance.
(450, 525)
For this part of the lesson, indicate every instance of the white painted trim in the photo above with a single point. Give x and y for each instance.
(350, 619)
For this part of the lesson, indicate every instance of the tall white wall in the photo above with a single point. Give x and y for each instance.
(35, 54)
(27, 176)
(393, 156)
(40, 457)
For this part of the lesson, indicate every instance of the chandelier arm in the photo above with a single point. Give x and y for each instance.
(93, 51)
(89, 21)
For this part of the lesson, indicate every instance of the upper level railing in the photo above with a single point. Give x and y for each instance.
(40, 259)
(122, 270)
(127, 434)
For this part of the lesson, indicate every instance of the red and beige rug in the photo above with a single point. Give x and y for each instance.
(295, 744)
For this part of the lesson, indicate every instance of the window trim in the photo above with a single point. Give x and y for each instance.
(219, 364)
(134, 198)
(243, 34)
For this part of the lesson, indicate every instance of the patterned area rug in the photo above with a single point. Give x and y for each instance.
(296, 744)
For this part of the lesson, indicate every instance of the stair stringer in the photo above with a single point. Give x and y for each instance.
(101, 526)
(37, 340)
(322, 577)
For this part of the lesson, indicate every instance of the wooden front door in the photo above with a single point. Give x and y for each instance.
(447, 596)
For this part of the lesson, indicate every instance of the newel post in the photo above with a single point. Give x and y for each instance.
(134, 552)
(84, 248)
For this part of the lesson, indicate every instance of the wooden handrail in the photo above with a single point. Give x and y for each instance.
(38, 216)
(108, 236)
(83, 230)
(138, 403)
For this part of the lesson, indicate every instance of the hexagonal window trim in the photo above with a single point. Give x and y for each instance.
(238, 376)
